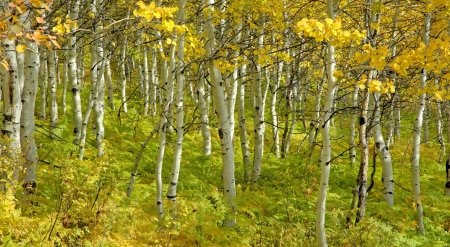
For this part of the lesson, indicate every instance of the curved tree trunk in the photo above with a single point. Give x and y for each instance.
(326, 142)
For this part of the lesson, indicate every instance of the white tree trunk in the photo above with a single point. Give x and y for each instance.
(352, 126)
(326, 142)
(65, 79)
(204, 115)
(109, 83)
(384, 153)
(426, 116)
(43, 75)
(220, 104)
(258, 113)
(51, 59)
(172, 191)
(273, 109)
(415, 156)
(27, 140)
(99, 101)
(12, 108)
(153, 84)
(145, 78)
(72, 74)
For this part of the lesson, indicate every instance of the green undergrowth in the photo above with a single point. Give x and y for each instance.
(84, 203)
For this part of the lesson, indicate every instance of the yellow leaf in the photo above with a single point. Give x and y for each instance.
(338, 73)
(6, 65)
(40, 20)
(168, 41)
(20, 48)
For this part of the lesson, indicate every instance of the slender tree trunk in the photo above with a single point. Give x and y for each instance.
(64, 81)
(325, 158)
(426, 116)
(273, 109)
(72, 74)
(108, 80)
(224, 121)
(172, 191)
(51, 59)
(99, 101)
(383, 151)
(43, 75)
(29, 148)
(314, 125)
(258, 113)
(12, 108)
(145, 79)
(415, 156)
(352, 126)
(204, 116)
(362, 176)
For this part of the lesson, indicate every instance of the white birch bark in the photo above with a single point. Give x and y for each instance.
(72, 74)
(273, 109)
(12, 107)
(108, 80)
(153, 84)
(220, 104)
(51, 60)
(172, 190)
(43, 75)
(415, 156)
(326, 142)
(163, 128)
(145, 79)
(258, 112)
(361, 186)
(426, 116)
(384, 153)
(29, 148)
(80, 67)
(354, 112)
(204, 116)
(20, 62)
(99, 100)
(123, 75)
(64, 82)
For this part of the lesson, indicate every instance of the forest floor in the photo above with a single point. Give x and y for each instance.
(85, 204)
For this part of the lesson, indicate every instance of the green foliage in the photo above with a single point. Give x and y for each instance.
(84, 203)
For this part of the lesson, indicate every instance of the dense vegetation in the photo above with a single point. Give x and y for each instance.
(84, 203)
(224, 123)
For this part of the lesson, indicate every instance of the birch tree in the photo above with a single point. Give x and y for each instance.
(324, 131)
(416, 134)
(179, 110)
(224, 119)
(72, 72)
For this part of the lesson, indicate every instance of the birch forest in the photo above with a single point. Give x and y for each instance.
(224, 123)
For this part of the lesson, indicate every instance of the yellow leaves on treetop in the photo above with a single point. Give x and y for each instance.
(151, 11)
(328, 30)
